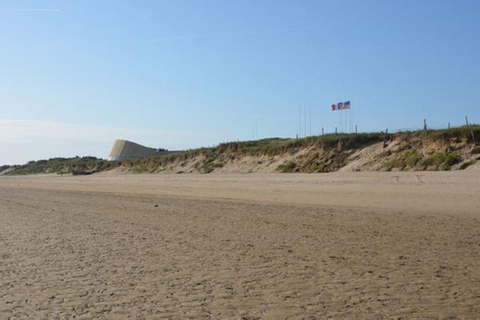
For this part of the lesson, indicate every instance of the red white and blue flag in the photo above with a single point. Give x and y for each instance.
(341, 106)
(345, 105)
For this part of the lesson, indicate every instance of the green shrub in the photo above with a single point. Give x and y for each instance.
(218, 165)
(317, 167)
(452, 159)
(287, 167)
(441, 160)
(388, 165)
(412, 159)
(210, 166)
(82, 172)
(208, 169)
(385, 153)
(465, 165)
(438, 158)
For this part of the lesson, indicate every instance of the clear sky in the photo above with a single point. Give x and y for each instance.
(179, 74)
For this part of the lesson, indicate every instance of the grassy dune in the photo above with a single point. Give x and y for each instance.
(453, 149)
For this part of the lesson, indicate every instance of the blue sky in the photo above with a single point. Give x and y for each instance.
(75, 75)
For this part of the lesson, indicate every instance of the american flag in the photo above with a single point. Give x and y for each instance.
(345, 105)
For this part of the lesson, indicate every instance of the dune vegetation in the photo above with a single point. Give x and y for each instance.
(452, 149)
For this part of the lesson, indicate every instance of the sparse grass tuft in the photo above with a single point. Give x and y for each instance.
(210, 166)
(465, 165)
(287, 167)
(441, 161)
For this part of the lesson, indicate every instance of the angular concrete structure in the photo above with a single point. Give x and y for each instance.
(124, 149)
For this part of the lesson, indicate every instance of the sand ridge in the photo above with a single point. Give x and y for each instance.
(112, 246)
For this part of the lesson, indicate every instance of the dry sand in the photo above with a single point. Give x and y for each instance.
(232, 246)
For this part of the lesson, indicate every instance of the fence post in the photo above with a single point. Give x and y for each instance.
(385, 138)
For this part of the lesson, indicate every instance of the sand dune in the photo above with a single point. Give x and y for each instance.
(225, 246)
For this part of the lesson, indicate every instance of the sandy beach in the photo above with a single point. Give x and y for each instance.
(397, 245)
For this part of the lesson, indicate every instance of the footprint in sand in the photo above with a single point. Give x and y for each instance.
(419, 179)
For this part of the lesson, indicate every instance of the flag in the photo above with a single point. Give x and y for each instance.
(340, 106)
(346, 105)
(334, 107)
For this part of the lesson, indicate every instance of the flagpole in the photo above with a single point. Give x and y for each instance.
(299, 122)
(351, 116)
(339, 119)
(310, 119)
(347, 115)
(304, 120)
